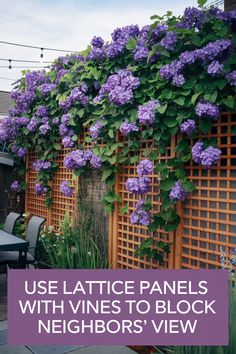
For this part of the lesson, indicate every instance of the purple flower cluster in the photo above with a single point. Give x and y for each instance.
(46, 88)
(78, 94)
(41, 111)
(215, 68)
(208, 110)
(169, 41)
(204, 55)
(138, 185)
(66, 189)
(8, 129)
(16, 187)
(40, 189)
(206, 157)
(126, 128)
(177, 192)
(67, 142)
(159, 31)
(119, 88)
(141, 51)
(39, 165)
(188, 127)
(22, 152)
(44, 128)
(33, 124)
(79, 158)
(120, 38)
(231, 77)
(144, 168)
(98, 49)
(193, 18)
(146, 112)
(140, 216)
(95, 129)
(142, 184)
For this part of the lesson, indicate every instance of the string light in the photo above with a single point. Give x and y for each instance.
(9, 66)
(36, 47)
(41, 56)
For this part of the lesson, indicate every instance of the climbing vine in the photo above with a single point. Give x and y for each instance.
(172, 77)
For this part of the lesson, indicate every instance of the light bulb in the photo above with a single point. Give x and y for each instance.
(9, 66)
(41, 56)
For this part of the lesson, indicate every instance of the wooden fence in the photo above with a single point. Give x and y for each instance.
(208, 216)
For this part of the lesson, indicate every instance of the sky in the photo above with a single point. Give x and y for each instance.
(67, 24)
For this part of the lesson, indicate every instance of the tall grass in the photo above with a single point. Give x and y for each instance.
(75, 248)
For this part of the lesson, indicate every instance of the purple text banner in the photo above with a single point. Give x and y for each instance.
(114, 307)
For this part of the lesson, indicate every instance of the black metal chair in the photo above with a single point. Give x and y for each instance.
(10, 222)
(11, 258)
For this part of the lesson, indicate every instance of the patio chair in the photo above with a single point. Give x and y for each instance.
(11, 258)
(11, 222)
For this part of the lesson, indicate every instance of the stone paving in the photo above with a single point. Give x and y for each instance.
(5, 349)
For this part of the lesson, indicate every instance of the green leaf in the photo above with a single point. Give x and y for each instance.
(57, 146)
(106, 173)
(180, 101)
(170, 121)
(201, 3)
(195, 97)
(228, 102)
(124, 209)
(167, 184)
(111, 133)
(189, 186)
(162, 108)
(131, 45)
(205, 125)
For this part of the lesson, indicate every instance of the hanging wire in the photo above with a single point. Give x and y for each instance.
(25, 61)
(7, 78)
(23, 67)
(37, 47)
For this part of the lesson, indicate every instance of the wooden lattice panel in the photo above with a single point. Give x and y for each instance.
(126, 237)
(61, 203)
(35, 205)
(209, 214)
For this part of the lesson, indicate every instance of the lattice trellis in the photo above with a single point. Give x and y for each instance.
(208, 216)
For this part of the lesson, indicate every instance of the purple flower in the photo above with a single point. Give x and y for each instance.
(169, 41)
(33, 124)
(39, 165)
(141, 52)
(75, 160)
(138, 185)
(197, 150)
(40, 189)
(65, 119)
(119, 88)
(67, 142)
(97, 42)
(144, 168)
(160, 30)
(140, 216)
(66, 189)
(88, 154)
(215, 68)
(178, 80)
(177, 192)
(16, 187)
(55, 121)
(41, 111)
(146, 112)
(210, 157)
(188, 127)
(22, 152)
(208, 110)
(193, 18)
(63, 130)
(44, 129)
(206, 157)
(96, 161)
(187, 57)
(231, 77)
(45, 88)
(95, 130)
(126, 128)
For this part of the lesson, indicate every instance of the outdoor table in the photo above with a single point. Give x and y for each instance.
(9, 242)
